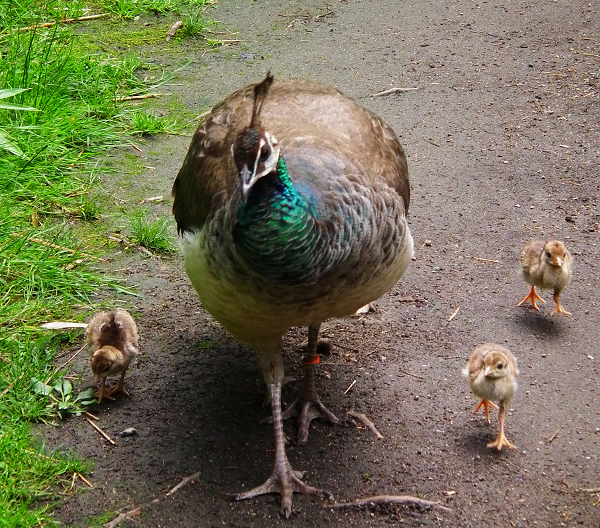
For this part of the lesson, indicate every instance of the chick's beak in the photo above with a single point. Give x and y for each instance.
(487, 371)
(559, 262)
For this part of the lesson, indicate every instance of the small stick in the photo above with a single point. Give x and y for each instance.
(454, 314)
(91, 415)
(101, 431)
(591, 490)
(410, 374)
(137, 97)
(393, 90)
(487, 260)
(153, 199)
(349, 387)
(62, 248)
(11, 385)
(173, 30)
(122, 516)
(185, 481)
(66, 21)
(135, 147)
(85, 480)
(368, 423)
(388, 499)
(57, 369)
(553, 437)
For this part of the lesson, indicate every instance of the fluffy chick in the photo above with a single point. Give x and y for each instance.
(546, 265)
(492, 370)
(112, 340)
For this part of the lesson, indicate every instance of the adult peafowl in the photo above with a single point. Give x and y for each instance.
(291, 204)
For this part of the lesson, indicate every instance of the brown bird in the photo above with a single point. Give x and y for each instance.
(112, 340)
(292, 204)
(493, 372)
(546, 265)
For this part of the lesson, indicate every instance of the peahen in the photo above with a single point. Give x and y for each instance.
(292, 204)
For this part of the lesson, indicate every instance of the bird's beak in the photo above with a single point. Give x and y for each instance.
(248, 179)
(559, 262)
(487, 371)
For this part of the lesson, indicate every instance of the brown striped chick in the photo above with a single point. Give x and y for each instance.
(548, 266)
(493, 372)
(112, 340)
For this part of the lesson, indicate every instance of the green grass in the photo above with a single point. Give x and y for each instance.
(62, 107)
(153, 234)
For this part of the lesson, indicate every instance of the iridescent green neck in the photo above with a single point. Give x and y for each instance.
(277, 234)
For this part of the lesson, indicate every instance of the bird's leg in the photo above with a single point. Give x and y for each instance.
(308, 406)
(119, 387)
(485, 404)
(559, 307)
(284, 480)
(501, 440)
(102, 393)
(532, 296)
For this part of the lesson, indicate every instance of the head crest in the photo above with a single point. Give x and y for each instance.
(260, 93)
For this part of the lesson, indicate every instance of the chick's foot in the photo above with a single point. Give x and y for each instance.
(532, 296)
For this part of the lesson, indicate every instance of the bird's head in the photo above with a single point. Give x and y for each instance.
(255, 151)
(495, 365)
(554, 253)
(102, 362)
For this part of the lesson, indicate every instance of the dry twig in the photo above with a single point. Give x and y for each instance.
(11, 385)
(388, 499)
(136, 511)
(454, 314)
(349, 387)
(84, 480)
(487, 260)
(411, 374)
(137, 97)
(101, 431)
(66, 21)
(368, 423)
(553, 437)
(59, 368)
(393, 90)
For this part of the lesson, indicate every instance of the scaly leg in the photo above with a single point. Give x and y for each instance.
(119, 387)
(102, 392)
(284, 480)
(308, 406)
(532, 296)
(559, 307)
(485, 404)
(501, 440)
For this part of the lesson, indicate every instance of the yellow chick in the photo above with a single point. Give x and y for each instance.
(546, 265)
(112, 340)
(492, 370)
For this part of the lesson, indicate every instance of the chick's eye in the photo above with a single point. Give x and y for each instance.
(264, 154)
(500, 366)
(548, 254)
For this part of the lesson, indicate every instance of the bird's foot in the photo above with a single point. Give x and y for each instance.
(559, 308)
(119, 387)
(285, 481)
(500, 442)
(307, 411)
(103, 394)
(486, 405)
(532, 296)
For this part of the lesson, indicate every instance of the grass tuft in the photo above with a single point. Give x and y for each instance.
(153, 234)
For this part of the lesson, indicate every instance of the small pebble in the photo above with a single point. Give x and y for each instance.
(428, 243)
(130, 431)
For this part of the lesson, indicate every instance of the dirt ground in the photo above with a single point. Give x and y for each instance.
(503, 140)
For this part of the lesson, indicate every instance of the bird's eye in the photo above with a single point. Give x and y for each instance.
(500, 366)
(548, 254)
(264, 154)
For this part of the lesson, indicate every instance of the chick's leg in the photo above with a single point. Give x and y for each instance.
(486, 405)
(119, 387)
(283, 480)
(532, 296)
(559, 307)
(308, 406)
(102, 392)
(501, 441)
